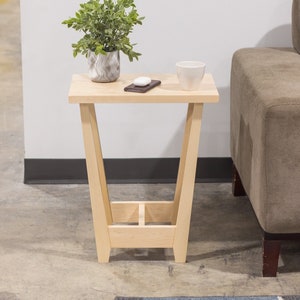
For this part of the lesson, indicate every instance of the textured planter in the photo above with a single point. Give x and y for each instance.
(104, 68)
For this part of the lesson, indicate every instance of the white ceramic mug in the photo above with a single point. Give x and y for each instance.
(190, 74)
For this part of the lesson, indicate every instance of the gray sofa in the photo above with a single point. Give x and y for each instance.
(265, 138)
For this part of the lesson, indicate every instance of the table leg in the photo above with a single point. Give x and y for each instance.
(186, 181)
(101, 210)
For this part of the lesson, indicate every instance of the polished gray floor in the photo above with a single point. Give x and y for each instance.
(47, 248)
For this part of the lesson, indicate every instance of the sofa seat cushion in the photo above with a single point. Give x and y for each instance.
(265, 133)
(272, 73)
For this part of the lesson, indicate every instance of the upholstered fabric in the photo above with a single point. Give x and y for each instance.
(296, 24)
(265, 133)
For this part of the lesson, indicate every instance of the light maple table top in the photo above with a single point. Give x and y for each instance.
(83, 90)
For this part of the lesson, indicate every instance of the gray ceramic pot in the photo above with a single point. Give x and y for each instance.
(104, 68)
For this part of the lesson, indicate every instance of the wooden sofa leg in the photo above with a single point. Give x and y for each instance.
(237, 185)
(271, 251)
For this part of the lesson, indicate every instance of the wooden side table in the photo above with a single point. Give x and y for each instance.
(141, 224)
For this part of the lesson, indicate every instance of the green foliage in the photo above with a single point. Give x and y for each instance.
(106, 26)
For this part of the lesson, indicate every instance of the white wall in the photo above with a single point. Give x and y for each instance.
(207, 30)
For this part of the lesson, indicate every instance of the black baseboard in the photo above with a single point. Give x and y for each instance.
(140, 170)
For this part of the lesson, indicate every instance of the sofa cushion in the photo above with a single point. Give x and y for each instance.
(265, 135)
(296, 24)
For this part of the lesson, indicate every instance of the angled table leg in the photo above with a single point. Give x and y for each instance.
(186, 181)
(102, 216)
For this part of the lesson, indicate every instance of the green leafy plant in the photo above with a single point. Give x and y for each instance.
(106, 25)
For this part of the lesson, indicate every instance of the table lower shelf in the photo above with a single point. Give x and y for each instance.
(141, 224)
(141, 212)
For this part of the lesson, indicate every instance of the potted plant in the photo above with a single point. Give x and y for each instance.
(106, 26)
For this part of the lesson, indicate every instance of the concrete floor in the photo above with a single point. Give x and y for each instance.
(47, 248)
